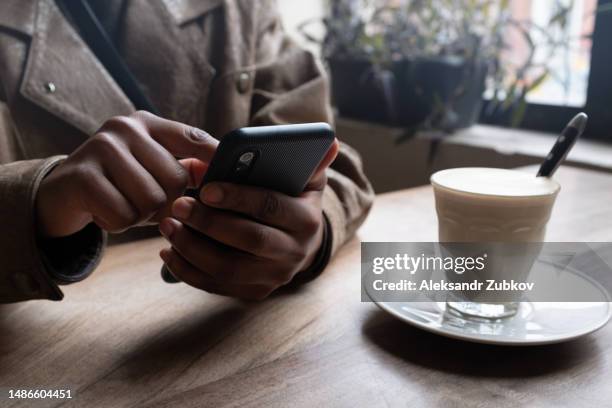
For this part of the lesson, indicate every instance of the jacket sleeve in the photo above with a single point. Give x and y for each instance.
(31, 268)
(291, 87)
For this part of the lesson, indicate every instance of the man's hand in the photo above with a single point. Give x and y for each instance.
(244, 241)
(124, 175)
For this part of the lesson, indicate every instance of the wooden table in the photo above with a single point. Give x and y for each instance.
(124, 338)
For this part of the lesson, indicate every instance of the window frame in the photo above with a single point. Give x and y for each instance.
(553, 118)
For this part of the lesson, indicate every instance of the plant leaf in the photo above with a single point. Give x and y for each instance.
(537, 82)
(519, 113)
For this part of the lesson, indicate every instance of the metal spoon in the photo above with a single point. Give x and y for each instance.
(565, 142)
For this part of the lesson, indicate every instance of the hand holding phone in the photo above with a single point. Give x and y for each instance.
(245, 240)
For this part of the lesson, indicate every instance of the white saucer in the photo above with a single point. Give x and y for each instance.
(535, 323)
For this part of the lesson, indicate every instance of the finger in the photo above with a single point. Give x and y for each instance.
(196, 170)
(189, 274)
(110, 210)
(223, 264)
(172, 175)
(236, 231)
(183, 271)
(266, 206)
(318, 180)
(132, 132)
(133, 181)
(181, 140)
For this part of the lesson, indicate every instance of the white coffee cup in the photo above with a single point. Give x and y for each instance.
(486, 207)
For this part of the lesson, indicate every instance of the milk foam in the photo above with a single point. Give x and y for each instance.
(497, 182)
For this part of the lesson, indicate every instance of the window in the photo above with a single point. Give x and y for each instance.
(570, 66)
(582, 79)
(581, 70)
(295, 13)
(599, 94)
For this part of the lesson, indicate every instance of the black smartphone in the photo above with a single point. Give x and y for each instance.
(282, 158)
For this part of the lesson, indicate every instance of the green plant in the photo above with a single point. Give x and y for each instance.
(384, 31)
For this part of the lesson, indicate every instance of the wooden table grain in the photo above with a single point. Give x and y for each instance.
(124, 338)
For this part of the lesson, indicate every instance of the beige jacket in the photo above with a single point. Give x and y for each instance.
(214, 64)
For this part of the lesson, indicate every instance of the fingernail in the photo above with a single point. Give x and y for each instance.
(198, 135)
(167, 228)
(164, 254)
(212, 194)
(182, 208)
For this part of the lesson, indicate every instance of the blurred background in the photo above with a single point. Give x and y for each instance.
(421, 85)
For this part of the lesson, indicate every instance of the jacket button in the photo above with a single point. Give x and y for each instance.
(50, 87)
(244, 82)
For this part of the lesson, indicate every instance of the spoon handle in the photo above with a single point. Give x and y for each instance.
(564, 144)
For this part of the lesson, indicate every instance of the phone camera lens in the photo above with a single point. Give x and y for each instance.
(243, 165)
(246, 158)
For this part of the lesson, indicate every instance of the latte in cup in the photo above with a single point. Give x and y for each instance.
(504, 214)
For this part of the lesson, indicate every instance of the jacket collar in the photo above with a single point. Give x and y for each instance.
(84, 97)
(84, 94)
(18, 15)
